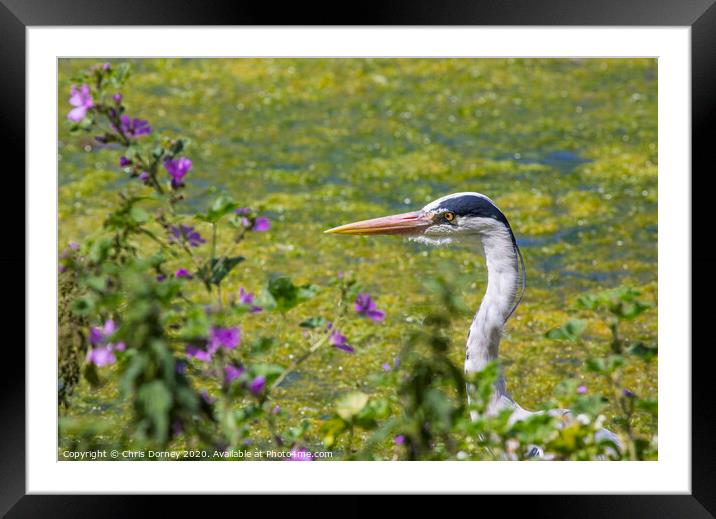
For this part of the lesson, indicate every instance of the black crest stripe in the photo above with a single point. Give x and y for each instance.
(472, 205)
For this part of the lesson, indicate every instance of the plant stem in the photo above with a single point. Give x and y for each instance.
(302, 358)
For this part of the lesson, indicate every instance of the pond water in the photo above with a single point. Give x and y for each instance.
(566, 148)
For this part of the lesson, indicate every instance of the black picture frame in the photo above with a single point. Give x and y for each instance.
(700, 15)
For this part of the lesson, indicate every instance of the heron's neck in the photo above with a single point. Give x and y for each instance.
(503, 282)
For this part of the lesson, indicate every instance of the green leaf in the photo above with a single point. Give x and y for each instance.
(138, 362)
(186, 397)
(440, 406)
(306, 292)
(248, 412)
(90, 373)
(154, 401)
(314, 322)
(98, 283)
(214, 271)
(621, 302)
(86, 123)
(263, 344)
(138, 215)
(352, 290)
(642, 350)
(536, 429)
(350, 404)
(331, 430)
(84, 305)
(588, 404)
(282, 295)
(196, 325)
(649, 405)
(604, 365)
(569, 331)
(631, 310)
(178, 146)
(132, 151)
(221, 206)
(294, 434)
(596, 365)
(374, 410)
(120, 73)
(481, 384)
(99, 249)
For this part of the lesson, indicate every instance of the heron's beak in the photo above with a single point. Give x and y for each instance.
(406, 223)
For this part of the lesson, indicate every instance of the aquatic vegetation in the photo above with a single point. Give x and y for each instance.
(567, 148)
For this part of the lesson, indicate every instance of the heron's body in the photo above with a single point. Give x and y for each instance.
(473, 219)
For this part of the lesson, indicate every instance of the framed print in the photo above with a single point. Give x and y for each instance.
(432, 252)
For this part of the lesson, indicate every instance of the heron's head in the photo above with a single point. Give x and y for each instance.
(450, 218)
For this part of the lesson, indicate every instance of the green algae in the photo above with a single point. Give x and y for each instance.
(567, 148)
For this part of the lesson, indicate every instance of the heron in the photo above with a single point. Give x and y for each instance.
(475, 220)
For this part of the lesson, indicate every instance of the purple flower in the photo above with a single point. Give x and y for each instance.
(73, 245)
(582, 390)
(183, 273)
(366, 307)
(261, 224)
(106, 66)
(257, 384)
(107, 331)
(180, 367)
(82, 101)
(232, 372)
(101, 356)
(198, 353)
(340, 341)
(177, 169)
(144, 176)
(258, 224)
(386, 366)
(629, 394)
(161, 277)
(124, 162)
(276, 409)
(102, 351)
(95, 336)
(299, 454)
(228, 338)
(133, 127)
(185, 232)
(117, 98)
(247, 298)
(399, 440)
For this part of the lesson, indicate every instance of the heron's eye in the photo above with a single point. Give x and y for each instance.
(449, 216)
